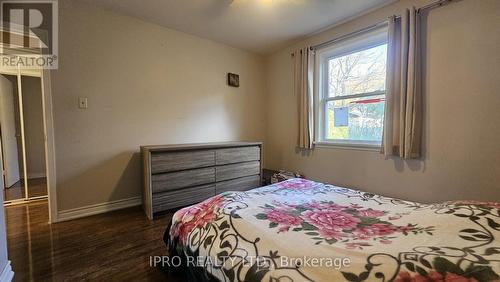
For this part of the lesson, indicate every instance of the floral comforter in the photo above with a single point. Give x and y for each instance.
(300, 230)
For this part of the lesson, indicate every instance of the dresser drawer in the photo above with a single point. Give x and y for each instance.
(177, 175)
(239, 184)
(179, 198)
(180, 179)
(237, 155)
(174, 161)
(233, 171)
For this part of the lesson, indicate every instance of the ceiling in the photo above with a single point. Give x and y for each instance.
(260, 26)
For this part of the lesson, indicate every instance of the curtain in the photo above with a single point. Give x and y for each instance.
(403, 106)
(303, 67)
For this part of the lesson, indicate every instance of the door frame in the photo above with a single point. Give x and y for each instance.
(48, 124)
(50, 148)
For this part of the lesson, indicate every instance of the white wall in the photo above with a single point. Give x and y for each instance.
(145, 85)
(8, 128)
(461, 153)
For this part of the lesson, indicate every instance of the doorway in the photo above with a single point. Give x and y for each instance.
(22, 138)
(19, 53)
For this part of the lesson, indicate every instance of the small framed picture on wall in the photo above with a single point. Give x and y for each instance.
(233, 80)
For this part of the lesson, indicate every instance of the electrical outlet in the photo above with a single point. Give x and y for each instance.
(82, 103)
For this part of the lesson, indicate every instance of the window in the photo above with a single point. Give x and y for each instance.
(351, 91)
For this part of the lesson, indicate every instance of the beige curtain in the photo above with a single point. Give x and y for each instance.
(303, 62)
(403, 107)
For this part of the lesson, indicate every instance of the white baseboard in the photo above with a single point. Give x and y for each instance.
(98, 208)
(7, 273)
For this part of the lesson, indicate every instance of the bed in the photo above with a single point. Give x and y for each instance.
(301, 230)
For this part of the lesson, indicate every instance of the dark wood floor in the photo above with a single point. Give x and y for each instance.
(36, 187)
(114, 246)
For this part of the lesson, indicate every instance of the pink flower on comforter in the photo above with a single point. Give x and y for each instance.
(282, 218)
(330, 223)
(377, 229)
(195, 216)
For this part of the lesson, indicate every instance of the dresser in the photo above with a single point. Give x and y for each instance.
(181, 175)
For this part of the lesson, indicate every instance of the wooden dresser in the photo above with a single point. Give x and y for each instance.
(181, 175)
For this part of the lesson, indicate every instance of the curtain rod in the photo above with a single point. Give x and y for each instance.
(430, 6)
(352, 34)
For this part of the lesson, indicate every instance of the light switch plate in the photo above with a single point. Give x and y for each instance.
(82, 103)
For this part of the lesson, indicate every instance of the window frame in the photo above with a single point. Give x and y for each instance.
(354, 44)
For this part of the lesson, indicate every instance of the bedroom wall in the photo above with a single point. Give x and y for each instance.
(461, 95)
(145, 85)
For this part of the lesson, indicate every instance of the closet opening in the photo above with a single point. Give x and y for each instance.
(22, 137)
(26, 124)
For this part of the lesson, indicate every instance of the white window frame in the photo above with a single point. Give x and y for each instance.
(354, 44)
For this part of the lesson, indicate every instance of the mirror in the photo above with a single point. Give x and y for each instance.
(22, 136)
(34, 136)
(12, 142)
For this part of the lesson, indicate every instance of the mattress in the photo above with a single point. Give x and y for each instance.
(301, 230)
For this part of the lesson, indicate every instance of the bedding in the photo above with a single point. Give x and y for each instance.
(301, 230)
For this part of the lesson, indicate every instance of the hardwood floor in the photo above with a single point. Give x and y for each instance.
(114, 246)
(36, 187)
